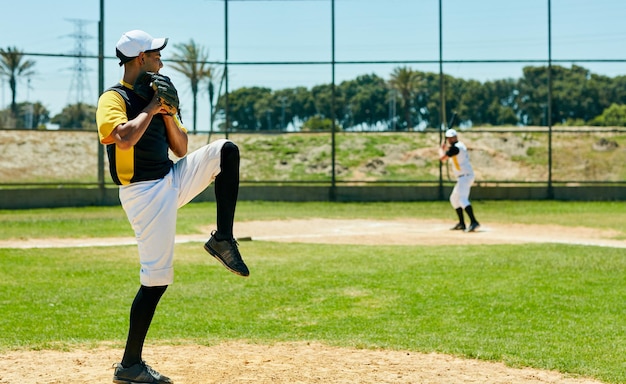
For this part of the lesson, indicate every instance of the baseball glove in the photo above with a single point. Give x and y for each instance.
(148, 83)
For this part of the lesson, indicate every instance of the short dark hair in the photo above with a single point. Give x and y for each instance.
(123, 59)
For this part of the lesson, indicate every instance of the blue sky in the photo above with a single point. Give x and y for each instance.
(300, 30)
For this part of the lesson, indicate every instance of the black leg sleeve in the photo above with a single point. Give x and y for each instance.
(227, 190)
(459, 212)
(141, 313)
(470, 213)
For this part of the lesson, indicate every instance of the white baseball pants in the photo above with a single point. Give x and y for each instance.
(151, 207)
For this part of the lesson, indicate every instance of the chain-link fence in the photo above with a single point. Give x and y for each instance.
(358, 90)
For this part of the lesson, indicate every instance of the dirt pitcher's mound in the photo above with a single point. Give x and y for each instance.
(285, 363)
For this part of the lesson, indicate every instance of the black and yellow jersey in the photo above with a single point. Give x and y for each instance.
(146, 160)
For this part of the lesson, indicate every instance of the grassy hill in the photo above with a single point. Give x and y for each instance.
(592, 155)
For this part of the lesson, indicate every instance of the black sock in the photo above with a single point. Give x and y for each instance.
(470, 213)
(141, 313)
(459, 212)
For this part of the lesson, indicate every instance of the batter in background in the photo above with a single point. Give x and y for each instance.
(456, 151)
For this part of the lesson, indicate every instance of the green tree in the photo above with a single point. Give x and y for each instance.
(407, 82)
(242, 103)
(190, 59)
(301, 103)
(427, 99)
(294, 106)
(491, 103)
(365, 101)
(574, 94)
(266, 112)
(615, 90)
(322, 100)
(533, 88)
(317, 124)
(577, 94)
(613, 116)
(13, 66)
(31, 115)
(77, 116)
(211, 92)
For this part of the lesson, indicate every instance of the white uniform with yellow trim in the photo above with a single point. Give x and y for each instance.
(459, 157)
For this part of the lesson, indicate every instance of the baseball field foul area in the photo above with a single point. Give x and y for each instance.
(337, 293)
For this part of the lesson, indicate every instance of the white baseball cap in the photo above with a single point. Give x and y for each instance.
(451, 133)
(132, 43)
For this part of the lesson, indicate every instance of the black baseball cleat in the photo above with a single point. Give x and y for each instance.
(473, 227)
(458, 227)
(227, 252)
(138, 374)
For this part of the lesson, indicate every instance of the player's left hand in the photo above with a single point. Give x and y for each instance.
(150, 83)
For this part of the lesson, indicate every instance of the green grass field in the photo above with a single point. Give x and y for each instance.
(548, 306)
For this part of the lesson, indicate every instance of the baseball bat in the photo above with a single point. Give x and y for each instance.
(451, 122)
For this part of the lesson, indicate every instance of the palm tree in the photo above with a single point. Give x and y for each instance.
(406, 81)
(191, 60)
(212, 101)
(13, 66)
